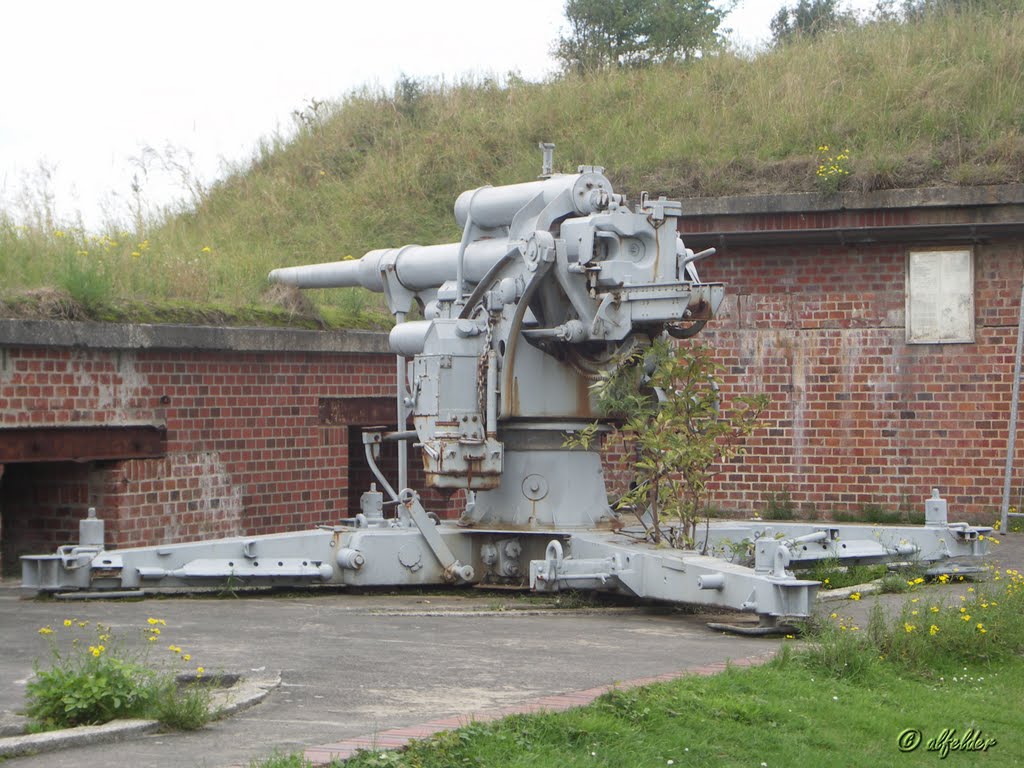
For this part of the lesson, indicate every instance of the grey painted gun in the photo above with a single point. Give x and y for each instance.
(552, 282)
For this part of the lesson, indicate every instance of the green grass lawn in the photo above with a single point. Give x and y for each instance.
(782, 714)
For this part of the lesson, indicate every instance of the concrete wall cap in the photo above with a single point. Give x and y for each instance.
(932, 197)
(58, 333)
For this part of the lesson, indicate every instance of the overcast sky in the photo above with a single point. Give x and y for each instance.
(86, 86)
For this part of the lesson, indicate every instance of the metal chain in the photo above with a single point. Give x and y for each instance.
(481, 367)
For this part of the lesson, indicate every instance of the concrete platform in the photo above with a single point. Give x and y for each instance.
(360, 668)
(358, 664)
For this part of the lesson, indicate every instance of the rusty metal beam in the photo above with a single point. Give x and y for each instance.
(82, 443)
(356, 411)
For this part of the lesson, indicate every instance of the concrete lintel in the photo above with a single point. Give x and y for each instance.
(812, 202)
(57, 333)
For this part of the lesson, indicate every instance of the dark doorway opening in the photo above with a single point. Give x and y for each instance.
(40, 506)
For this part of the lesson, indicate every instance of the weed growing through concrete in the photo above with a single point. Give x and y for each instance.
(92, 676)
(985, 625)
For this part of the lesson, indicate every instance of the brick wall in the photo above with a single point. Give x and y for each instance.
(247, 449)
(814, 317)
(858, 417)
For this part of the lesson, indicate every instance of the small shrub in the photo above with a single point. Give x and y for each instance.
(679, 443)
(88, 690)
(93, 678)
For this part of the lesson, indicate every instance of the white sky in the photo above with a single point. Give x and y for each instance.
(85, 86)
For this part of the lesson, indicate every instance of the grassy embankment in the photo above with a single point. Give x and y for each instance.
(939, 102)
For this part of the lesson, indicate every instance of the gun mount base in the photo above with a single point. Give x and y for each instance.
(750, 566)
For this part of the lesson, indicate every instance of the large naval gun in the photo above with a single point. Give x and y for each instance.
(552, 282)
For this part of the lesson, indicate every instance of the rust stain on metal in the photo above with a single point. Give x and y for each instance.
(699, 311)
(333, 411)
(583, 409)
(513, 407)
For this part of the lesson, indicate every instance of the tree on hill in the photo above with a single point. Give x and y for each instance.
(604, 34)
(808, 18)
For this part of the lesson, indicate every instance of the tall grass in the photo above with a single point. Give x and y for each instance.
(936, 102)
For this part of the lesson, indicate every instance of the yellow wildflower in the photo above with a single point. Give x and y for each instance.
(68, 622)
(45, 631)
(933, 630)
(855, 596)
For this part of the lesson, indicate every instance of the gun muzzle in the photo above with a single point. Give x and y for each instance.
(418, 267)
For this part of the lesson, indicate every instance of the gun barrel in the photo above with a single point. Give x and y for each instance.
(418, 267)
(336, 274)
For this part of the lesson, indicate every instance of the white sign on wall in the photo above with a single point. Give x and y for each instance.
(940, 297)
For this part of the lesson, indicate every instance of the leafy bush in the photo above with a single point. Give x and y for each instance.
(87, 690)
(93, 678)
(668, 416)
